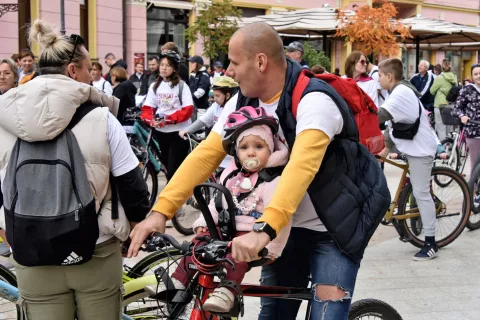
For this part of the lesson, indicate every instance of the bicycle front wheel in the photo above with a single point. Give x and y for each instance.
(138, 304)
(452, 206)
(372, 309)
(9, 310)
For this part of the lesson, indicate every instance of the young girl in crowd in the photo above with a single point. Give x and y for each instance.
(165, 101)
(250, 137)
(223, 88)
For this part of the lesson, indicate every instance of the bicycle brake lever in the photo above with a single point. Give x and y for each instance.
(226, 260)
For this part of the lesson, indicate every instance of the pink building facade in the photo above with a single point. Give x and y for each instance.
(136, 29)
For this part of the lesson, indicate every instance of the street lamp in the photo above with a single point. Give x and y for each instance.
(62, 17)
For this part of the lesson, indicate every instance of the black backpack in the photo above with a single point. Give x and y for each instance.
(50, 211)
(453, 94)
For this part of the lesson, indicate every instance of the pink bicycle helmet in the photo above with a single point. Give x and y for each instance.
(242, 119)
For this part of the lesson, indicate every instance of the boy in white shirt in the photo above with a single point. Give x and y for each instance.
(419, 146)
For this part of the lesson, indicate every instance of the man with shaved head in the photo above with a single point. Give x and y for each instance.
(328, 237)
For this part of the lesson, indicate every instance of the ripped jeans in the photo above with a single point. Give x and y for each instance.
(309, 252)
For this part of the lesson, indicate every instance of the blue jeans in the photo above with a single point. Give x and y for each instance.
(308, 253)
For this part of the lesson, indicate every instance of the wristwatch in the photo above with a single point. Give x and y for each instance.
(265, 227)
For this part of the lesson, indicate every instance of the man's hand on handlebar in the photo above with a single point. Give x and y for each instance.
(155, 222)
(182, 133)
(246, 247)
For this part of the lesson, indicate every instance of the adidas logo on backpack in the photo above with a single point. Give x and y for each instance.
(71, 259)
(50, 211)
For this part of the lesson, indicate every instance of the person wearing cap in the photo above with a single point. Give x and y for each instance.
(217, 72)
(199, 82)
(295, 52)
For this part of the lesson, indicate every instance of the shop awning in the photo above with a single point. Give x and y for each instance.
(185, 5)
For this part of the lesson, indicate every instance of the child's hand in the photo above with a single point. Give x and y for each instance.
(199, 230)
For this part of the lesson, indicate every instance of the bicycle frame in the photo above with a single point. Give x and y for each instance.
(404, 180)
(207, 284)
(147, 141)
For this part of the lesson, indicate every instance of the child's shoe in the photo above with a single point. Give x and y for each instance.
(221, 301)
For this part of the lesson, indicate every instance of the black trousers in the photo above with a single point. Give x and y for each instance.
(174, 150)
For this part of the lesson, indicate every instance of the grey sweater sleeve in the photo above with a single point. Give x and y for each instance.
(196, 126)
(388, 140)
(384, 115)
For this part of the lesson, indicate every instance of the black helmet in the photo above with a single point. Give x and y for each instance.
(172, 56)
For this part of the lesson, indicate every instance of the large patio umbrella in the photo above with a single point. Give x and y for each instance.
(427, 31)
(309, 22)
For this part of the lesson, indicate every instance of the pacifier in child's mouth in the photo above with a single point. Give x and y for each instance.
(251, 164)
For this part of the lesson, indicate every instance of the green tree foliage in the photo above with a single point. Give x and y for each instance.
(314, 57)
(215, 27)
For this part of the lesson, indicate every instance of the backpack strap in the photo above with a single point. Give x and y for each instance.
(81, 112)
(181, 84)
(103, 86)
(302, 83)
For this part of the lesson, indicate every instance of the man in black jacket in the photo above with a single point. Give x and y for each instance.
(423, 81)
(150, 76)
(112, 62)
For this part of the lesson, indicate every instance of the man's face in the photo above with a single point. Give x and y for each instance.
(241, 67)
(109, 61)
(153, 65)
(139, 68)
(294, 55)
(218, 69)
(422, 68)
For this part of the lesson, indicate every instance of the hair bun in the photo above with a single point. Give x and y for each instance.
(43, 33)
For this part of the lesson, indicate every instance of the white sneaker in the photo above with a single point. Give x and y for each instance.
(221, 301)
(153, 289)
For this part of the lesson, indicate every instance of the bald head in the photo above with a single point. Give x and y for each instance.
(259, 37)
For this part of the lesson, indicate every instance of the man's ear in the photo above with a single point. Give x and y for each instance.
(262, 62)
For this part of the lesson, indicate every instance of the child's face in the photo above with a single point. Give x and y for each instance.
(219, 97)
(385, 80)
(253, 147)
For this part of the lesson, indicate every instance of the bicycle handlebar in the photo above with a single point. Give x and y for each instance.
(475, 122)
(213, 250)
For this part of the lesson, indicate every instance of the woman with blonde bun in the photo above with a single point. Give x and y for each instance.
(88, 287)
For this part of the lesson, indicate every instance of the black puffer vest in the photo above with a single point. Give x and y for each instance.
(349, 192)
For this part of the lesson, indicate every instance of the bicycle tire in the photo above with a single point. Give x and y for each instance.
(139, 270)
(464, 151)
(373, 307)
(472, 182)
(8, 276)
(150, 261)
(407, 192)
(186, 229)
(153, 192)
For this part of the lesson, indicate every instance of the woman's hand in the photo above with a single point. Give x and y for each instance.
(464, 119)
(182, 133)
(384, 153)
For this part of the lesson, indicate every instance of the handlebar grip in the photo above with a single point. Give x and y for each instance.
(263, 253)
(476, 122)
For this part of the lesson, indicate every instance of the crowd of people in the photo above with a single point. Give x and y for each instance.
(251, 131)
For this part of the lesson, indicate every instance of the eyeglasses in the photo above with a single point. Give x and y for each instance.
(77, 40)
(363, 62)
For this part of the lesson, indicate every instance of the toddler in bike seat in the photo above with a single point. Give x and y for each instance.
(250, 138)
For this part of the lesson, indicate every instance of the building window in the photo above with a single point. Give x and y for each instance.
(84, 21)
(23, 21)
(166, 25)
(251, 12)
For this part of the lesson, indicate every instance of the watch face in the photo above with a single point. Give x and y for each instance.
(259, 226)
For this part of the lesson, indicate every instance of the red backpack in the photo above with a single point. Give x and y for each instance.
(364, 109)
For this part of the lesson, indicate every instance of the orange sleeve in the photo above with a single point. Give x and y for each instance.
(195, 169)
